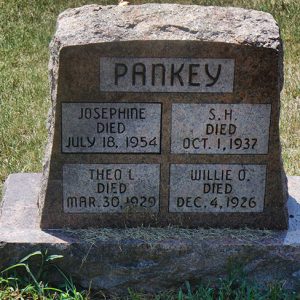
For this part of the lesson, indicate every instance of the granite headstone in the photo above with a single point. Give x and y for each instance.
(164, 114)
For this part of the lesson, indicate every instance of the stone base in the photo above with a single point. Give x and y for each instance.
(149, 259)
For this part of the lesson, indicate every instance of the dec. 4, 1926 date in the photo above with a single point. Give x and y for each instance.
(216, 203)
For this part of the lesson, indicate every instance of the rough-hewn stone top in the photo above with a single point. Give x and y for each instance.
(96, 24)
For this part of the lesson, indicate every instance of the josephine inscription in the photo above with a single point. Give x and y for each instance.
(166, 75)
(101, 188)
(111, 127)
(220, 128)
(217, 188)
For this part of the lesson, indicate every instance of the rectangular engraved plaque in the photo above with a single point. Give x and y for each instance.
(217, 188)
(220, 128)
(111, 188)
(111, 127)
(196, 75)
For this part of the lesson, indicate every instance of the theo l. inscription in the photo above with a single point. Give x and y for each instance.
(220, 128)
(166, 75)
(108, 188)
(217, 188)
(111, 127)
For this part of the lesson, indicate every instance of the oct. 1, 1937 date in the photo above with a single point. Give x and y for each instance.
(202, 143)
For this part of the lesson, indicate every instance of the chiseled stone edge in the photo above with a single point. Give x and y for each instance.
(97, 24)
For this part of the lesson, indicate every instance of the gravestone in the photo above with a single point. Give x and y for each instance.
(164, 114)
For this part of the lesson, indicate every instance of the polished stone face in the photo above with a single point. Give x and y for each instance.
(220, 128)
(111, 127)
(217, 188)
(164, 114)
(166, 75)
(108, 188)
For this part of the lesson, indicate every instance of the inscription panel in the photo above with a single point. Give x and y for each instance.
(111, 127)
(194, 75)
(111, 188)
(220, 128)
(217, 188)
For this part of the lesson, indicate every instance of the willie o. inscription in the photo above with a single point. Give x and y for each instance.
(111, 127)
(220, 128)
(109, 188)
(196, 75)
(217, 188)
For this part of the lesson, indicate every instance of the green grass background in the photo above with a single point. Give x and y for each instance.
(26, 28)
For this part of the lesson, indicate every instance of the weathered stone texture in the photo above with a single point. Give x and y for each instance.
(93, 24)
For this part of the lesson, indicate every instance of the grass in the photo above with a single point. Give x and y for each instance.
(20, 281)
(230, 288)
(23, 281)
(26, 28)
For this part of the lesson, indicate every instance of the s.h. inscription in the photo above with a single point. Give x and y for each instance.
(111, 127)
(217, 188)
(109, 188)
(220, 128)
(118, 74)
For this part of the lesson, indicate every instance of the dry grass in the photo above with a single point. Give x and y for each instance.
(153, 235)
